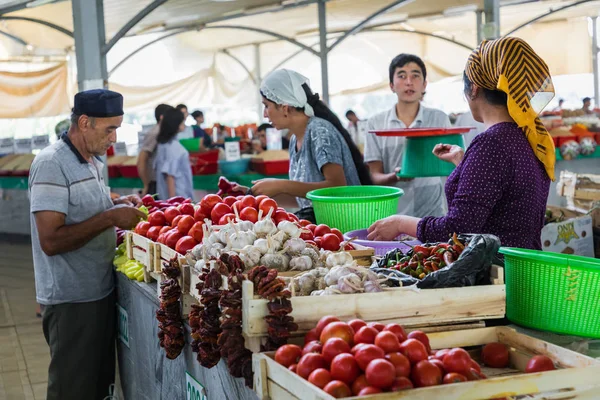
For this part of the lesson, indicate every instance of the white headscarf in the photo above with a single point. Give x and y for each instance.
(284, 87)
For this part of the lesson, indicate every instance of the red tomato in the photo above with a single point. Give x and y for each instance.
(322, 230)
(387, 341)
(330, 242)
(313, 347)
(229, 200)
(226, 218)
(260, 198)
(439, 364)
(377, 325)
(311, 335)
(288, 354)
(357, 348)
(185, 224)
(421, 337)
(349, 247)
(311, 242)
(239, 197)
(440, 354)
(176, 220)
(414, 350)
(293, 367)
(280, 216)
(161, 238)
(369, 390)
(292, 217)
(338, 233)
(359, 384)
(309, 362)
(209, 202)
(307, 235)
(426, 374)
(344, 368)
(266, 204)
(356, 324)
(311, 227)
(334, 347)
(495, 355)
(457, 360)
(337, 329)
(323, 322)
(186, 209)
(185, 243)
(218, 211)
(237, 206)
(318, 242)
(366, 334)
(199, 214)
(474, 375)
(196, 232)
(304, 223)
(172, 237)
(380, 373)
(368, 353)
(170, 214)
(249, 214)
(337, 389)
(164, 229)
(320, 377)
(158, 218)
(539, 364)
(401, 363)
(142, 228)
(453, 377)
(397, 330)
(153, 232)
(401, 383)
(249, 201)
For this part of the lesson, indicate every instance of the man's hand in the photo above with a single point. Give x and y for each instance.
(125, 216)
(130, 200)
(267, 187)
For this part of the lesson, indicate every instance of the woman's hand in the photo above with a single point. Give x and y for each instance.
(268, 187)
(390, 228)
(240, 188)
(449, 152)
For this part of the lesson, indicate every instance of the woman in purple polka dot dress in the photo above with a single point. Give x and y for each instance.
(500, 185)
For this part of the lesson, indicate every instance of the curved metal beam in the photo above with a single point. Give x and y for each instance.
(227, 53)
(545, 15)
(131, 23)
(358, 27)
(464, 45)
(14, 38)
(39, 21)
(288, 58)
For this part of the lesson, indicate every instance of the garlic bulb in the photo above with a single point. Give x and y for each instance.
(290, 228)
(350, 283)
(294, 246)
(265, 226)
(302, 263)
(339, 258)
(262, 245)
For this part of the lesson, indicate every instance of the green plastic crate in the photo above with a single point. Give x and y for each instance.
(553, 292)
(349, 208)
(418, 160)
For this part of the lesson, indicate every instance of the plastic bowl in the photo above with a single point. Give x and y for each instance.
(419, 161)
(234, 167)
(381, 247)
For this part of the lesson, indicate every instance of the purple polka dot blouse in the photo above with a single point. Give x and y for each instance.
(499, 188)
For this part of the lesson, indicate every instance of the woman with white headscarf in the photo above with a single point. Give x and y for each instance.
(322, 154)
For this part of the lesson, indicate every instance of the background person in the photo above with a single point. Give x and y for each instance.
(147, 153)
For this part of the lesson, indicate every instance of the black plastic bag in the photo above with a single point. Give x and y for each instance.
(395, 278)
(307, 213)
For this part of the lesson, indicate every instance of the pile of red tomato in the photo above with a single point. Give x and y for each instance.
(358, 359)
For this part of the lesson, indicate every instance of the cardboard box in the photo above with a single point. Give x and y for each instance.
(573, 235)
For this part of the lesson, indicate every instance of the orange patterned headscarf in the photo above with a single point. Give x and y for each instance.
(510, 65)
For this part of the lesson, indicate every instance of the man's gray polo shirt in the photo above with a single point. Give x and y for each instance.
(61, 180)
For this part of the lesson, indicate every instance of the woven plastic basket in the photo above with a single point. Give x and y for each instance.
(418, 161)
(381, 247)
(553, 292)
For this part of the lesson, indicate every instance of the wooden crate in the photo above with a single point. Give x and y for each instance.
(140, 249)
(272, 380)
(410, 307)
(362, 255)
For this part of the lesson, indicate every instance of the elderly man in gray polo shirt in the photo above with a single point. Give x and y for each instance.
(408, 80)
(73, 239)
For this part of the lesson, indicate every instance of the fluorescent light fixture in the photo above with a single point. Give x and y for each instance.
(454, 11)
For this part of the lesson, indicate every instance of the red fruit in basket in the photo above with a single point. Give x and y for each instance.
(196, 232)
(401, 383)
(344, 368)
(311, 335)
(369, 390)
(414, 350)
(218, 211)
(322, 230)
(320, 377)
(292, 217)
(323, 322)
(199, 214)
(356, 324)
(170, 214)
(337, 389)
(313, 347)
(226, 218)
(303, 222)
(318, 242)
(377, 325)
(249, 214)
(333, 348)
(397, 330)
(311, 242)
(349, 247)
(172, 237)
(266, 204)
(457, 360)
(359, 384)
(229, 200)
(187, 209)
(161, 238)
(337, 329)
(309, 362)
(288, 354)
(184, 244)
(439, 364)
(474, 375)
(157, 218)
(307, 235)
(176, 220)
(142, 228)
(401, 363)
(421, 337)
(426, 374)
(153, 232)
(164, 229)
(330, 242)
(357, 348)
(539, 364)
(440, 354)
(366, 334)
(380, 373)
(260, 198)
(237, 206)
(249, 201)
(368, 353)
(311, 227)
(293, 367)
(338, 233)
(185, 224)
(453, 377)
(387, 341)
(495, 355)
(279, 216)
(209, 202)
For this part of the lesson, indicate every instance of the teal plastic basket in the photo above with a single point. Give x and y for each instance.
(349, 208)
(553, 292)
(419, 161)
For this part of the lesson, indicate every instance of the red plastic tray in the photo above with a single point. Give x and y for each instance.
(415, 132)
(280, 167)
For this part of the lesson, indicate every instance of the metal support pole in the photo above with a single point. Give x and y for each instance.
(88, 23)
(595, 51)
(479, 25)
(324, 50)
(258, 76)
(491, 29)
